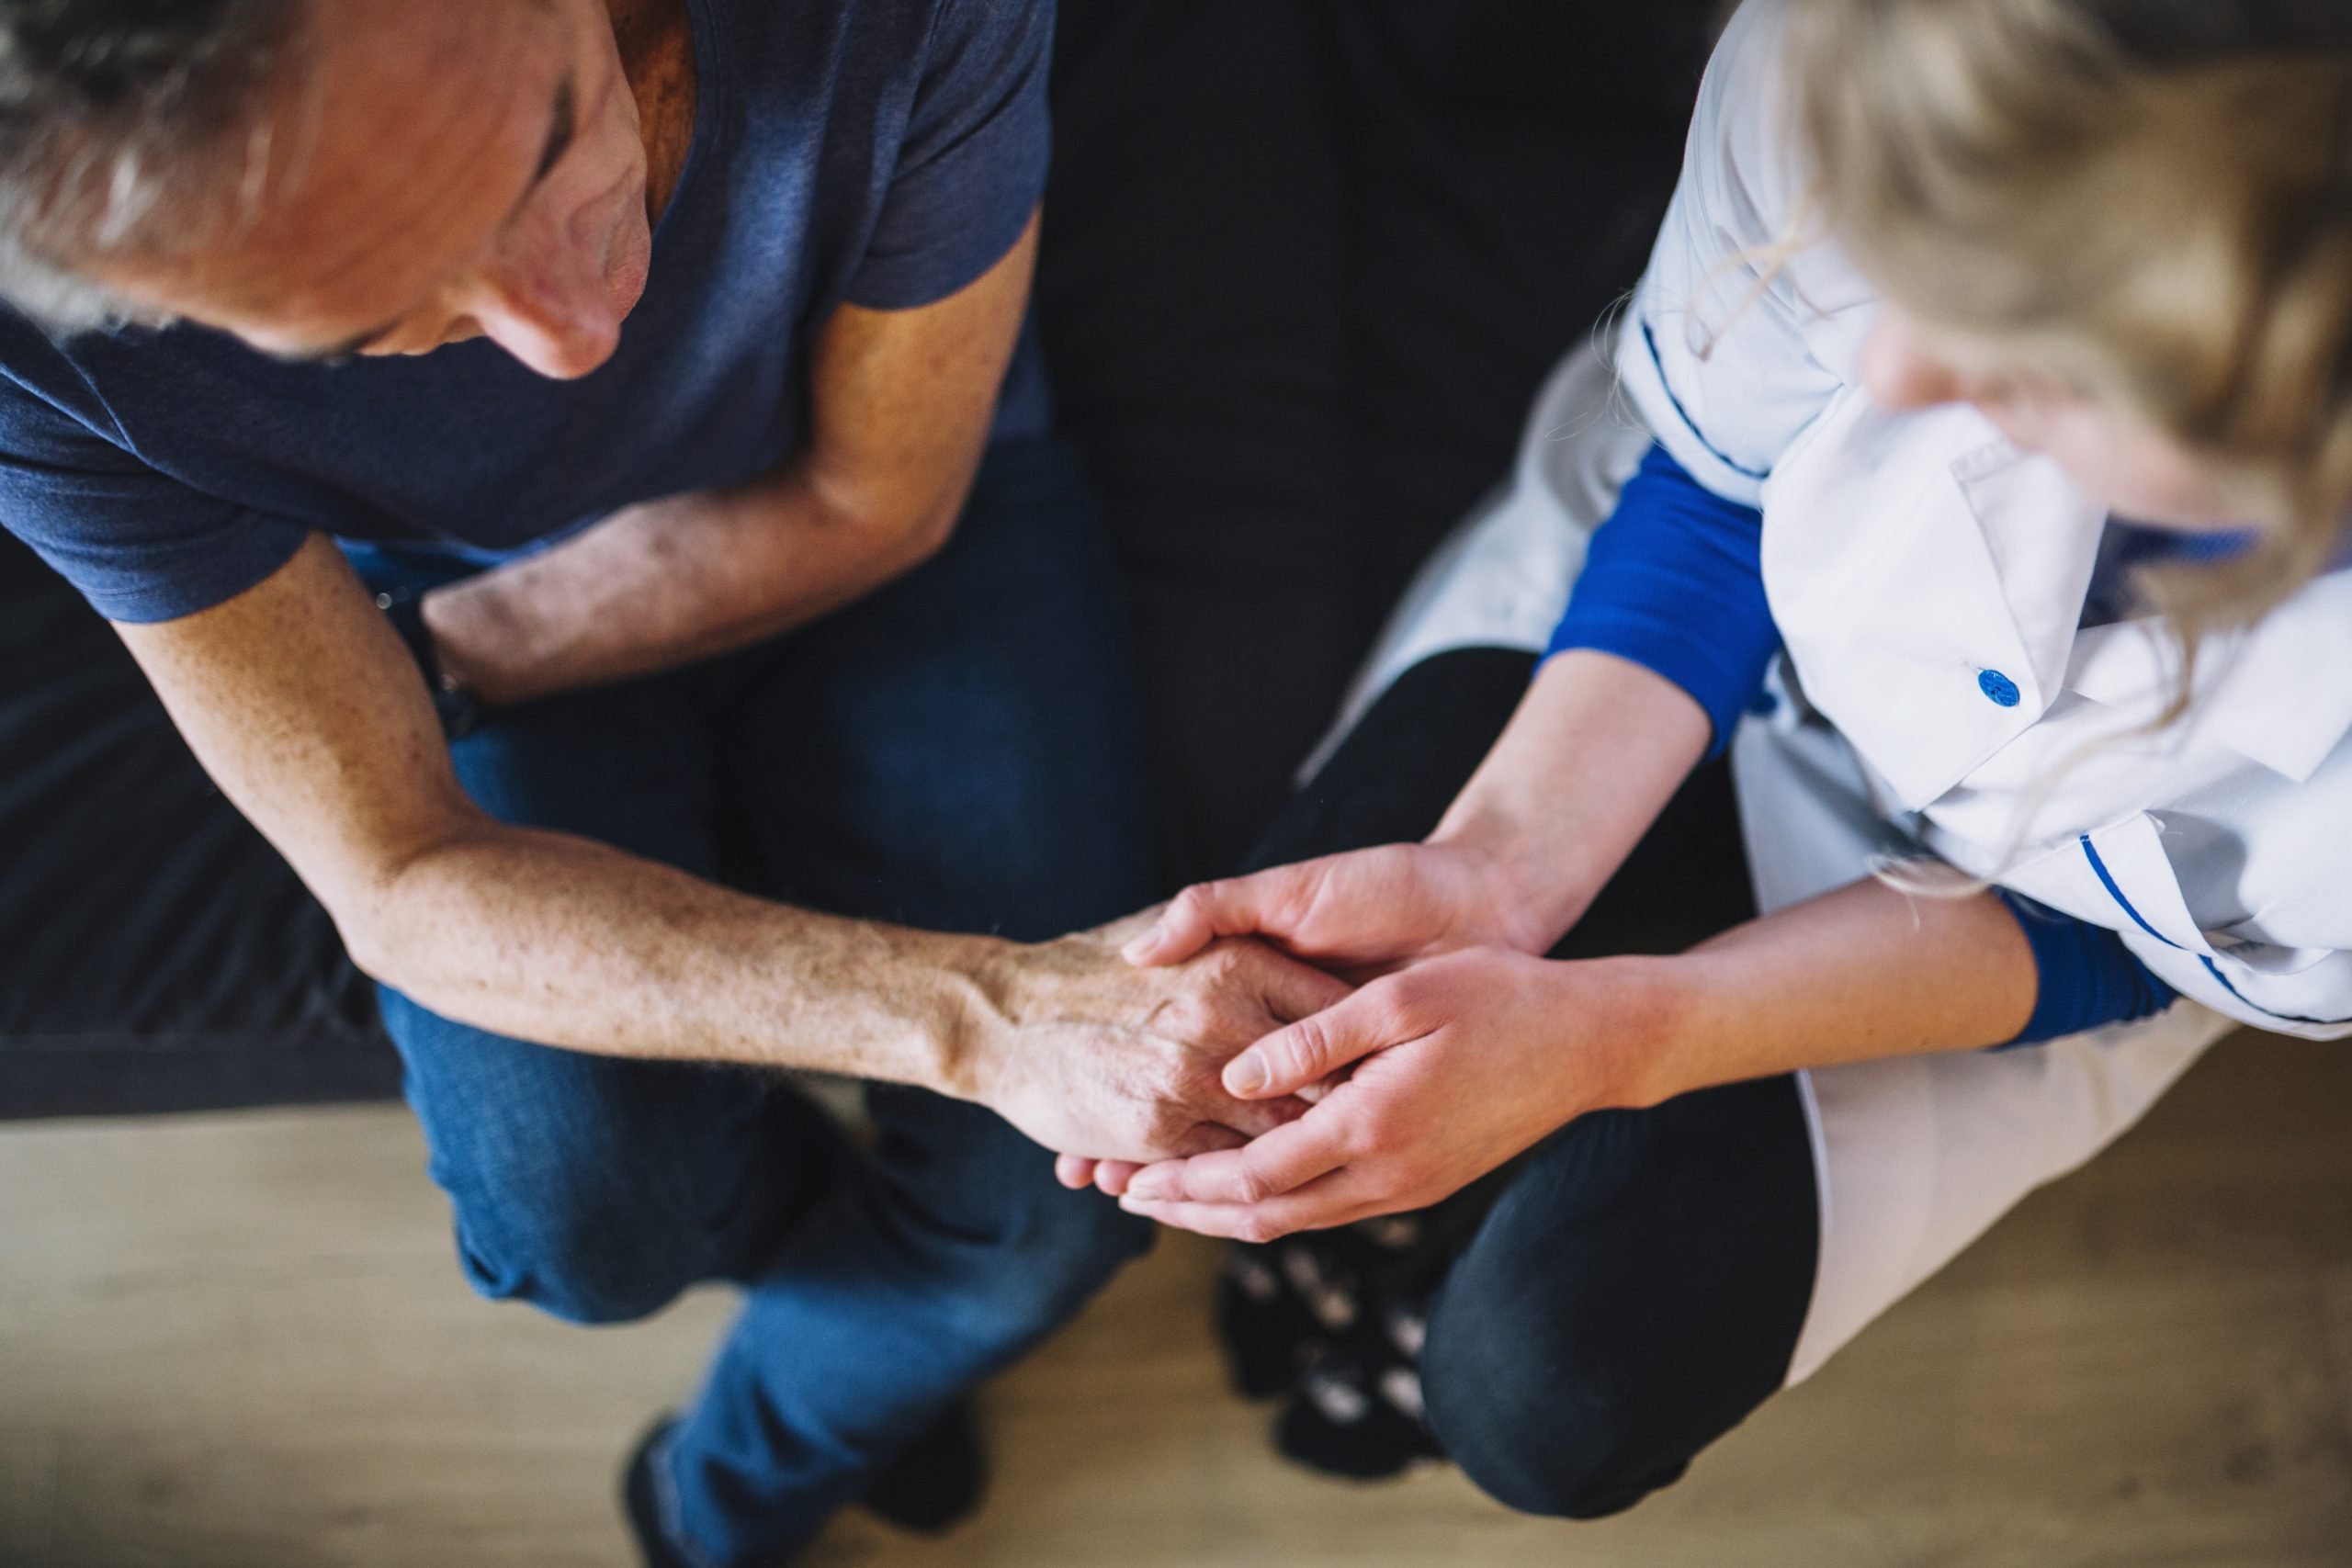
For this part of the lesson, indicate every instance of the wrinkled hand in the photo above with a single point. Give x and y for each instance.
(1097, 1059)
(1368, 910)
(1459, 1064)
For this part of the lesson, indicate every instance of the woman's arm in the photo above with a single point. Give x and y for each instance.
(1465, 1061)
(1594, 750)
(1856, 975)
(1666, 640)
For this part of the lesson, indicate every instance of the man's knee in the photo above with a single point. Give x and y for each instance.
(599, 1189)
(584, 1257)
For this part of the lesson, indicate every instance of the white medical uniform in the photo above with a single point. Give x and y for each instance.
(1927, 579)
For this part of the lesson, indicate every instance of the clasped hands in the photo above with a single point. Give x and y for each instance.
(1414, 1040)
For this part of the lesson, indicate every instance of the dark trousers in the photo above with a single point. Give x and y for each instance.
(956, 751)
(1638, 1285)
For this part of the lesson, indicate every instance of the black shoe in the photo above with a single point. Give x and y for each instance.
(1269, 1333)
(936, 1484)
(938, 1481)
(1281, 1306)
(1358, 1412)
(641, 1500)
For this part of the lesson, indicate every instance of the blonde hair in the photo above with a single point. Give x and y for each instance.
(2149, 201)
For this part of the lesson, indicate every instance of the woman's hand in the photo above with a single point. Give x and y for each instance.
(1368, 910)
(1459, 1064)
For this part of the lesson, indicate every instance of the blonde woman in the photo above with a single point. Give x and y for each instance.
(1984, 496)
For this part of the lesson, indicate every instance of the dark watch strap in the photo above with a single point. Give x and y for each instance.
(460, 710)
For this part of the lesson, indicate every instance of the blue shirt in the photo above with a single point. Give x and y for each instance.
(882, 152)
(1674, 582)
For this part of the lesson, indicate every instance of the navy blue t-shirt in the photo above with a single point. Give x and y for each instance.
(882, 152)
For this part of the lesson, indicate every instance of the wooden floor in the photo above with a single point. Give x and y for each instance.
(242, 1342)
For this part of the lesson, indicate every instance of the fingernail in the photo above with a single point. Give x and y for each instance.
(1245, 1074)
(1138, 950)
(1145, 1189)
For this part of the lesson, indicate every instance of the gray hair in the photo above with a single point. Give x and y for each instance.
(113, 113)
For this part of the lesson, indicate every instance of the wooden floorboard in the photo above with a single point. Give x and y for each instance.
(241, 1342)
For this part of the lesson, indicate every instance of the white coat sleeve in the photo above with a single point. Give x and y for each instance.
(1744, 327)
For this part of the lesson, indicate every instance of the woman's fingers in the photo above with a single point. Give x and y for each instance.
(1240, 906)
(1112, 1176)
(1308, 1052)
(1285, 1158)
(1322, 1203)
(1077, 1172)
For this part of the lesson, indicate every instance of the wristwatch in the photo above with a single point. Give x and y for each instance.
(460, 710)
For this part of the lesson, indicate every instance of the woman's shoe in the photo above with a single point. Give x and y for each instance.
(1278, 1307)
(1358, 1412)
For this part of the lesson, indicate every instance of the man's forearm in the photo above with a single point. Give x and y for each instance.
(1596, 748)
(664, 584)
(899, 407)
(566, 943)
(1864, 973)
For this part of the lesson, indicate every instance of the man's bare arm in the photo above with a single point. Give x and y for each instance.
(305, 708)
(901, 403)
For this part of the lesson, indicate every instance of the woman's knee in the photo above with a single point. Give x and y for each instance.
(1540, 1429)
(1633, 1294)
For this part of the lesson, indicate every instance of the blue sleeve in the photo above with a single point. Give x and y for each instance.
(141, 547)
(1674, 581)
(2087, 977)
(972, 166)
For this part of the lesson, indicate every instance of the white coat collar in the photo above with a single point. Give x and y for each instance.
(2279, 693)
(1918, 565)
(2042, 535)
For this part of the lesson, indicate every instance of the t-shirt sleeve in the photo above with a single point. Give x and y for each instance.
(972, 167)
(140, 546)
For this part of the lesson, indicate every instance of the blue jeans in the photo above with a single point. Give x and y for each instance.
(958, 752)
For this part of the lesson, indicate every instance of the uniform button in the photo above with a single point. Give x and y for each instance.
(1999, 687)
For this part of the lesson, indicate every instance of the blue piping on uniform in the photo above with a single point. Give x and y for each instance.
(2211, 968)
(1650, 339)
(2215, 970)
(2099, 867)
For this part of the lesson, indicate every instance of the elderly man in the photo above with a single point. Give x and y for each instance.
(646, 373)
